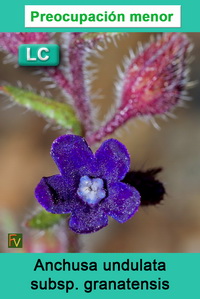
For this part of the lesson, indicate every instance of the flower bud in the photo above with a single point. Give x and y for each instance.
(153, 82)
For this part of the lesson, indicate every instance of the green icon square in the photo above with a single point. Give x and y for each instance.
(15, 240)
(38, 55)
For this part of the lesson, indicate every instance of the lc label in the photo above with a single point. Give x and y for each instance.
(39, 55)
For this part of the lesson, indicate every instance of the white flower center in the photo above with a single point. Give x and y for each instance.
(91, 190)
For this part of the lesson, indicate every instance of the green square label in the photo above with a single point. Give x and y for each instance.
(15, 240)
(39, 55)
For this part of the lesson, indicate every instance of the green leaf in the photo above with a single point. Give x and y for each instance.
(44, 220)
(61, 113)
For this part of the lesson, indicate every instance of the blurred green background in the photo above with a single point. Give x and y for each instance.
(173, 226)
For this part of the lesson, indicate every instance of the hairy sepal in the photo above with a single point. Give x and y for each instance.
(153, 83)
(59, 113)
(43, 220)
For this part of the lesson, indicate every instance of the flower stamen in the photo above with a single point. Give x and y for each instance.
(91, 190)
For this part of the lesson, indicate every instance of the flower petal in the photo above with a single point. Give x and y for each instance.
(122, 202)
(86, 220)
(73, 156)
(52, 193)
(113, 160)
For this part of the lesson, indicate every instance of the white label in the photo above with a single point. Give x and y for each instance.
(102, 16)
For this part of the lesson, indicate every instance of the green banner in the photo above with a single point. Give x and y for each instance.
(12, 15)
(97, 275)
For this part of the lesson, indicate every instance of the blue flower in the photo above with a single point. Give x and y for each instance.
(89, 185)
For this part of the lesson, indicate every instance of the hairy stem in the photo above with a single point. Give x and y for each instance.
(114, 123)
(80, 95)
(59, 78)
